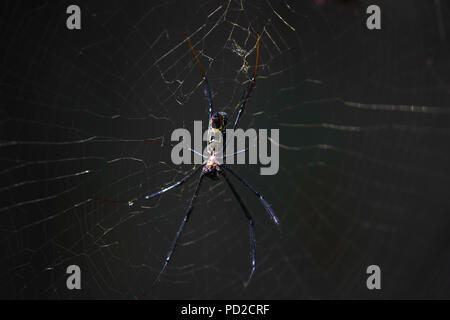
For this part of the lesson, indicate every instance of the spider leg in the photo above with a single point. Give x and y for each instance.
(233, 154)
(249, 89)
(251, 226)
(206, 88)
(181, 228)
(134, 201)
(176, 184)
(160, 142)
(257, 193)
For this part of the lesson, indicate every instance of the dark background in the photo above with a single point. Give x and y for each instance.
(364, 162)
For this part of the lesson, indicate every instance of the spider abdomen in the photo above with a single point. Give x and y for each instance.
(212, 168)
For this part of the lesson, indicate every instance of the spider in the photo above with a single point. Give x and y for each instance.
(212, 169)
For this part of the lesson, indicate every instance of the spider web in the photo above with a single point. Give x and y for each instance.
(364, 162)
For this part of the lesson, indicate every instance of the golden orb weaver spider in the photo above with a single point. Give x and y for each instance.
(212, 169)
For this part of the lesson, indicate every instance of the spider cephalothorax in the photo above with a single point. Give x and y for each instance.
(217, 129)
(219, 120)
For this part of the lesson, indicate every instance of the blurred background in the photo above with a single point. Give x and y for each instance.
(364, 158)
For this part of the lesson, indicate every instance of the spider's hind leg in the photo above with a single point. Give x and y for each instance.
(181, 228)
(251, 227)
(266, 205)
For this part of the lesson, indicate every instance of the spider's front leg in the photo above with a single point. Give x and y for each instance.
(249, 89)
(206, 88)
